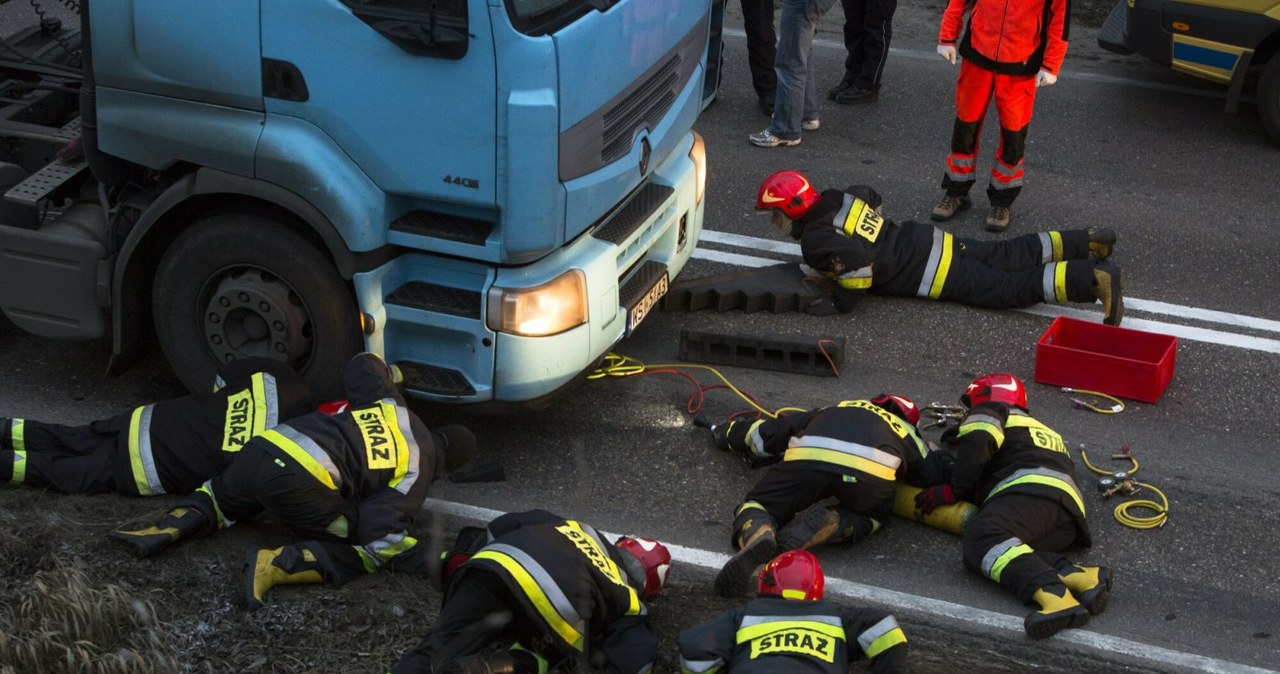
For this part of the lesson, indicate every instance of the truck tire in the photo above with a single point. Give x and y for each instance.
(239, 285)
(1269, 97)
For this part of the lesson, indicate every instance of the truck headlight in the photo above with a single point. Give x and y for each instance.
(539, 311)
(698, 153)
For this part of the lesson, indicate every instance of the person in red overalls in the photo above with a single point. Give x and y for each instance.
(1010, 49)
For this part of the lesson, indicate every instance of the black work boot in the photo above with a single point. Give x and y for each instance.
(1101, 239)
(1058, 611)
(1108, 288)
(1091, 585)
(756, 536)
(815, 526)
(178, 524)
(998, 218)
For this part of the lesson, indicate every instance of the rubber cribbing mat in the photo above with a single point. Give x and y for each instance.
(800, 355)
(776, 288)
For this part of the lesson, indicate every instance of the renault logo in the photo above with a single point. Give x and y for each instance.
(645, 151)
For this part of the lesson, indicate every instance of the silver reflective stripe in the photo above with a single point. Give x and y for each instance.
(700, 665)
(876, 631)
(1046, 248)
(993, 555)
(843, 213)
(375, 548)
(145, 456)
(219, 383)
(870, 453)
(1049, 290)
(983, 419)
(313, 450)
(864, 272)
(545, 583)
(756, 442)
(404, 420)
(752, 620)
(273, 402)
(935, 259)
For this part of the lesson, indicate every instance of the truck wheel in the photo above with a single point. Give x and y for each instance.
(1269, 98)
(241, 285)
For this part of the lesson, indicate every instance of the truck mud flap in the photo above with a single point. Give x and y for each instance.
(1111, 36)
(54, 280)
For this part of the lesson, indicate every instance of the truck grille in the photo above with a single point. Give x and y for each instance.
(643, 107)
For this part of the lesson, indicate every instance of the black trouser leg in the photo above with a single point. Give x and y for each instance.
(868, 29)
(477, 614)
(1027, 251)
(757, 22)
(66, 459)
(1017, 541)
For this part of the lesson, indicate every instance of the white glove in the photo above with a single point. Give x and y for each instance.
(1044, 78)
(948, 53)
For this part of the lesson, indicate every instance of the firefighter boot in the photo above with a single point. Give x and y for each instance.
(1091, 585)
(178, 524)
(517, 660)
(756, 536)
(1058, 611)
(998, 219)
(264, 569)
(1108, 288)
(1101, 239)
(816, 526)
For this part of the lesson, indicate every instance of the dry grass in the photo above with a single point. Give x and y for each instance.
(64, 623)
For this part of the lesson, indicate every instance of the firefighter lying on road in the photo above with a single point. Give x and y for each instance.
(352, 482)
(534, 590)
(843, 235)
(1030, 509)
(854, 451)
(169, 447)
(789, 627)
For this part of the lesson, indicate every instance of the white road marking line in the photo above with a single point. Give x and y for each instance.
(713, 561)
(1050, 310)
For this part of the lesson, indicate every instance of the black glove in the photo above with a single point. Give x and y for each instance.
(823, 306)
(931, 498)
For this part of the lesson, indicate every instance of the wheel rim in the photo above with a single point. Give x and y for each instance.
(250, 312)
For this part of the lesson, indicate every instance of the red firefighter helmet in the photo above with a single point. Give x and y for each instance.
(1001, 387)
(787, 191)
(899, 405)
(653, 556)
(793, 575)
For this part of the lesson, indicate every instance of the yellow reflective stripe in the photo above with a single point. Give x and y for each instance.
(886, 641)
(841, 459)
(1003, 560)
(223, 522)
(1060, 282)
(749, 632)
(396, 548)
(610, 568)
(259, 404)
(748, 506)
(982, 426)
(539, 598)
(1055, 241)
(300, 455)
(1046, 480)
(19, 442)
(402, 455)
(854, 282)
(370, 563)
(135, 455)
(944, 266)
(793, 594)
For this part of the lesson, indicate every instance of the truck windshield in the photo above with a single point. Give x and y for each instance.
(539, 17)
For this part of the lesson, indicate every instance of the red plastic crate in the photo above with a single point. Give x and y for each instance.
(1119, 361)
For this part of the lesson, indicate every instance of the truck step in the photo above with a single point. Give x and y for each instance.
(434, 380)
(777, 288)
(45, 183)
(799, 355)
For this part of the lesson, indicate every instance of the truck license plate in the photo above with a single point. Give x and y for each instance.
(646, 304)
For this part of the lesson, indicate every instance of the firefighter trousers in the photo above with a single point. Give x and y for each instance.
(1017, 540)
(868, 29)
(1015, 97)
(1051, 267)
(479, 613)
(789, 488)
(67, 459)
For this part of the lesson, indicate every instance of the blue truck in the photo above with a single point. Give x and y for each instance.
(489, 193)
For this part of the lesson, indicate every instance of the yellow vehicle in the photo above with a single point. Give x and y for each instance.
(1225, 41)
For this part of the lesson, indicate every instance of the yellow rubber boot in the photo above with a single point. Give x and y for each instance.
(756, 535)
(1108, 288)
(264, 569)
(178, 524)
(1058, 611)
(1091, 585)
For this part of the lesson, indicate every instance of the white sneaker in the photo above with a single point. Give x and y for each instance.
(766, 139)
(810, 124)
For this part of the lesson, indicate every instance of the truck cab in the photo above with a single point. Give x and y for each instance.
(489, 193)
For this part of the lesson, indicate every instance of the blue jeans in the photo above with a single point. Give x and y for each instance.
(797, 97)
